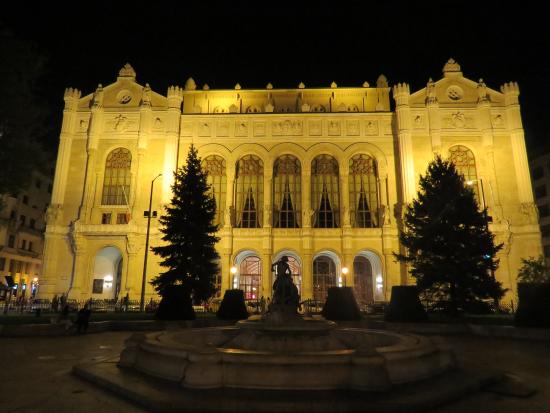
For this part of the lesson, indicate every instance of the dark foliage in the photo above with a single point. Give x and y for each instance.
(405, 305)
(189, 254)
(341, 305)
(24, 121)
(232, 306)
(449, 249)
(175, 304)
(534, 305)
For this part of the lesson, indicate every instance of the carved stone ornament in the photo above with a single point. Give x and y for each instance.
(127, 71)
(530, 212)
(241, 128)
(352, 127)
(259, 128)
(315, 127)
(371, 127)
(451, 66)
(146, 96)
(287, 127)
(222, 128)
(204, 129)
(498, 122)
(97, 100)
(458, 120)
(482, 95)
(53, 213)
(334, 128)
(132, 245)
(83, 124)
(158, 123)
(120, 123)
(431, 97)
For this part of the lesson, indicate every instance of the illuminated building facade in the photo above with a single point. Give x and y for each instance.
(318, 174)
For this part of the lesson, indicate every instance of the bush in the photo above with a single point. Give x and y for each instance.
(405, 305)
(232, 306)
(534, 305)
(341, 305)
(175, 304)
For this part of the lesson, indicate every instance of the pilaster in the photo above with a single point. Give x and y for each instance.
(401, 94)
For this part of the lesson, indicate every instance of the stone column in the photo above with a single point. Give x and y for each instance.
(268, 208)
(175, 97)
(519, 152)
(80, 283)
(344, 196)
(267, 276)
(401, 95)
(307, 277)
(434, 118)
(348, 279)
(229, 219)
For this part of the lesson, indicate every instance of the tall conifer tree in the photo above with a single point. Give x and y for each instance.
(188, 227)
(449, 248)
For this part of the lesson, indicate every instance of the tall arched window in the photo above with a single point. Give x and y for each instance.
(324, 192)
(215, 167)
(249, 192)
(363, 192)
(250, 277)
(287, 192)
(324, 277)
(116, 182)
(465, 164)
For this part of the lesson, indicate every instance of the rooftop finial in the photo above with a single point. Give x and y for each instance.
(127, 71)
(333, 85)
(269, 86)
(301, 85)
(451, 67)
(238, 86)
(190, 84)
(382, 81)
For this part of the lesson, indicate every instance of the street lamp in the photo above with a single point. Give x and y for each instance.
(142, 300)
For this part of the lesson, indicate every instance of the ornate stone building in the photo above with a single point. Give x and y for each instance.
(319, 174)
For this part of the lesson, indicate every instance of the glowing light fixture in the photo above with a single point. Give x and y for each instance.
(233, 270)
(345, 270)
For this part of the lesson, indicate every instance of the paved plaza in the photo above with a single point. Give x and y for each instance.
(36, 374)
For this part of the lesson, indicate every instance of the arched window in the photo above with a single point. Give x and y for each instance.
(362, 275)
(287, 192)
(363, 192)
(214, 165)
(249, 192)
(324, 192)
(465, 164)
(116, 182)
(250, 277)
(324, 277)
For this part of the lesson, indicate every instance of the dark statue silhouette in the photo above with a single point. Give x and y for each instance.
(285, 292)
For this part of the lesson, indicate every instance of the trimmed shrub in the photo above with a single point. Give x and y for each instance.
(341, 305)
(405, 305)
(232, 306)
(175, 304)
(534, 305)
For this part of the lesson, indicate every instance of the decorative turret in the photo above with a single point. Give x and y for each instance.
(127, 72)
(401, 93)
(71, 97)
(237, 86)
(206, 87)
(366, 84)
(97, 101)
(511, 92)
(190, 84)
(451, 68)
(175, 97)
(333, 85)
(269, 86)
(301, 85)
(382, 81)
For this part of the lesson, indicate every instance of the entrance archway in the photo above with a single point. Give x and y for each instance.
(107, 274)
(249, 276)
(295, 264)
(325, 266)
(368, 279)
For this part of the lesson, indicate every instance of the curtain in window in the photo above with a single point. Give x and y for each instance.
(363, 192)
(217, 179)
(325, 192)
(324, 277)
(249, 192)
(116, 182)
(465, 164)
(287, 192)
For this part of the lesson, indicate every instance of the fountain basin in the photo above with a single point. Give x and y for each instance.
(306, 355)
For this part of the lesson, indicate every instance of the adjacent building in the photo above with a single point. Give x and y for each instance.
(321, 175)
(540, 174)
(22, 226)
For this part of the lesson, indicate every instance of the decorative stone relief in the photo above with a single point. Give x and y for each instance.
(352, 127)
(457, 120)
(222, 129)
(418, 121)
(158, 124)
(334, 128)
(371, 127)
(287, 127)
(498, 121)
(186, 128)
(204, 129)
(83, 125)
(455, 93)
(241, 128)
(386, 127)
(315, 127)
(120, 123)
(259, 128)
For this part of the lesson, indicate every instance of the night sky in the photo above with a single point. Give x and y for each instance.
(168, 41)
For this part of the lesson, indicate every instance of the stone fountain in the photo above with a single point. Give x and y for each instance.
(260, 358)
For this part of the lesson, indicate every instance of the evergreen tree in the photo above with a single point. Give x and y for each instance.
(188, 227)
(450, 251)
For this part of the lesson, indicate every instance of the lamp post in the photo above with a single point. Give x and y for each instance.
(142, 300)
